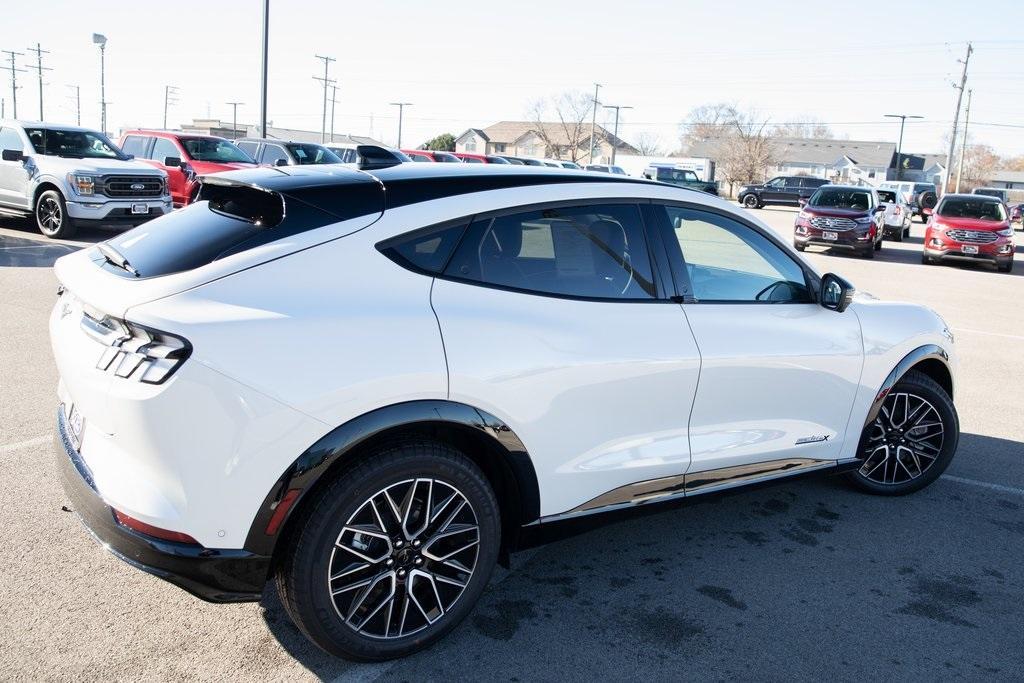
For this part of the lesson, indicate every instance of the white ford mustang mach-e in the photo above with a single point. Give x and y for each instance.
(370, 387)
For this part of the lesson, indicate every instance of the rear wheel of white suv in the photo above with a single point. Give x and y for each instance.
(392, 554)
(52, 216)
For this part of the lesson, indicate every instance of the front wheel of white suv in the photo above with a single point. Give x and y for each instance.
(912, 440)
(392, 554)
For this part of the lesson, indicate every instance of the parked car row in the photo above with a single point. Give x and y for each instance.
(962, 227)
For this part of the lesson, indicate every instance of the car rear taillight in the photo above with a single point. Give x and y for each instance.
(150, 530)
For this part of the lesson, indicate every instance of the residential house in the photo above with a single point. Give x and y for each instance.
(542, 139)
(1011, 180)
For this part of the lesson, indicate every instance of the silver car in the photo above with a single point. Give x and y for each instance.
(898, 214)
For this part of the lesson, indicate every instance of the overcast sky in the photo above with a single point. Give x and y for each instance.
(468, 64)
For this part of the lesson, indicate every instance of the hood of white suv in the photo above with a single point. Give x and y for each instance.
(62, 165)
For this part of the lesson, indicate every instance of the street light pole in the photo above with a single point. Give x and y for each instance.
(615, 133)
(593, 120)
(101, 40)
(263, 69)
(899, 147)
(401, 110)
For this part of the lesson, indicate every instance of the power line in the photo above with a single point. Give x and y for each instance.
(38, 49)
(327, 82)
(14, 79)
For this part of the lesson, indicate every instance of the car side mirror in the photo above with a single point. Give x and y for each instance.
(878, 209)
(172, 161)
(835, 293)
(281, 162)
(13, 155)
(129, 157)
(802, 201)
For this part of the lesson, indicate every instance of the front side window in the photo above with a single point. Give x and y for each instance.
(162, 149)
(419, 157)
(72, 144)
(596, 251)
(9, 139)
(730, 262)
(776, 183)
(272, 154)
(214, 150)
(313, 154)
(471, 160)
(134, 145)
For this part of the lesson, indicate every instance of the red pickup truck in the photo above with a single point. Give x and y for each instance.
(184, 156)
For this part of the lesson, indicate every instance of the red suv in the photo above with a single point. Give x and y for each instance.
(184, 156)
(431, 155)
(970, 227)
(841, 217)
(468, 158)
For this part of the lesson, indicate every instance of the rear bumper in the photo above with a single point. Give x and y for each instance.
(208, 573)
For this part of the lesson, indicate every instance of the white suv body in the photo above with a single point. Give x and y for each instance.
(69, 177)
(588, 384)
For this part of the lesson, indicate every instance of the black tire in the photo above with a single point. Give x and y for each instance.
(927, 200)
(1007, 268)
(798, 246)
(920, 386)
(869, 253)
(926, 260)
(905, 234)
(750, 201)
(878, 245)
(51, 212)
(308, 557)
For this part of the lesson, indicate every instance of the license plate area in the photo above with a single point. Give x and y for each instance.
(140, 208)
(829, 235)
(76, 425)
(969, 249)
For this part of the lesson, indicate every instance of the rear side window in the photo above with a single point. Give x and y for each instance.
(426, 250)
(134, 145)
(593, 252)
(248, 147)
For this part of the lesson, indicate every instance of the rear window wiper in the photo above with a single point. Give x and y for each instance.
(116, 258)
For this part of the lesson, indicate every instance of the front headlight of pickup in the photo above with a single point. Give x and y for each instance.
(82, 184)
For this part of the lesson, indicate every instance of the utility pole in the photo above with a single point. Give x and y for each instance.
(14, 80)
(327, 83)
(263, 69)
(334, 100)
(401, 109)
(963, 145)
(234, 118)
(615, 134)
(956, 117)
(170, 97)
(899, 148)
(593, 120)
(38, 49)
(78, 104)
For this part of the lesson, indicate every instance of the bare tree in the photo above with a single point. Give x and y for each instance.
(570, 134)
(747, 151)
(649, 145)
(708, 122)
(804, 127)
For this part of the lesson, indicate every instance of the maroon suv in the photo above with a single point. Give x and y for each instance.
(841, 217)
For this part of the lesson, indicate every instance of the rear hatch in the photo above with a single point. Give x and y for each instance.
(240, 219)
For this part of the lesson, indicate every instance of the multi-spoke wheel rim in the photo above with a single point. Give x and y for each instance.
(905, 440)
(404, 558)
(49, 214)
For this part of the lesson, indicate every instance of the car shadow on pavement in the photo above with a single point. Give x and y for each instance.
(732, 588)
(25, 253)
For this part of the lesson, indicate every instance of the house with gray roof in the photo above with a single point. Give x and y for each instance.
(543, 139)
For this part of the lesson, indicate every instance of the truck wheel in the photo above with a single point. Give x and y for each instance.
(750, 201)
(52, 216)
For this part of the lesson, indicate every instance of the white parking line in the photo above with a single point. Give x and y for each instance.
(984, 484)
(991, 334)
(38, 441)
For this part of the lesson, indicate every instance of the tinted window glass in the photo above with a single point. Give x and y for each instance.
(419, 157)
(214, 150)
(72, 144)
(963, 207)
(313, 154)
(842, 198)
(162, 149)
(471, 160)
(425, 249)
(134, 144)
(728, 261)
(271, 154)
(248, 147)
(589, 251)
(9, 139)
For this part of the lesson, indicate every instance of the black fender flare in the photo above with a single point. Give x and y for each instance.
(317, 460)
(921, 353)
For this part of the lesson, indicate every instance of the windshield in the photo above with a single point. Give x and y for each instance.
(313, 154)
(74, 144)
(674, 174)
(838, 198)
(217, 151)
(963, 207)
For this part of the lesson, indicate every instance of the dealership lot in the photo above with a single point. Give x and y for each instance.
(808, 579)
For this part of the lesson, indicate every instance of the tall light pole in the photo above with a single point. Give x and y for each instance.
(234, 118)
(615, 133)
(263, 69)
(963, 145)
(593, 120)
(101, 40)
(327, 83)
(401, 109)
(899, 147)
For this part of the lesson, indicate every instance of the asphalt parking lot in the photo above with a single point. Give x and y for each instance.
(807, 580)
